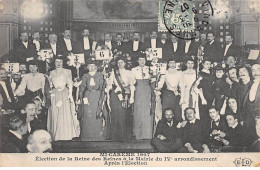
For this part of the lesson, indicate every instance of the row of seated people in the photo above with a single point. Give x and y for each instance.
(191, 136)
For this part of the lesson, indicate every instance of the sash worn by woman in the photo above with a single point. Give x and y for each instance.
(121, 96)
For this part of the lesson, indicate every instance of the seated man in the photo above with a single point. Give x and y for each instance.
(215, 127)
(33, 123)
(167, 138)
(39, 142)
(13, 141)
(192, 133)
(235, 135)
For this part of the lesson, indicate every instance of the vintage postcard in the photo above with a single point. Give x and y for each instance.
(130, 83)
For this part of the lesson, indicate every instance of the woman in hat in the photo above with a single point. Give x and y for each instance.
(90, 94)
(62, 120)
(142, 106)
(121, 82)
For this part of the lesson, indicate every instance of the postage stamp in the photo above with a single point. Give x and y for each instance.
(180, 16)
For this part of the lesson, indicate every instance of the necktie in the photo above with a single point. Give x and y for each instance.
(118, 43)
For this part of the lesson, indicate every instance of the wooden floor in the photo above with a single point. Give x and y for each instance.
(102, 146)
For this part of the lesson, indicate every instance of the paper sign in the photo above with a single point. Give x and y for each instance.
(11, 67)
(253, 55)
(153, 53)
(102, 54)
(85, 100)
(76, 59)
(79, 58)
(159, 68)
(45, 54)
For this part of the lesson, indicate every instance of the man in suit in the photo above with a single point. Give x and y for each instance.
(235, 135)
(39, 142)
(213, 49)
(6, 91)
(135, 47)
(153, 42)
(107, 43)
(164, 44)
(52, 44)
(215, 127)
(167, 135)
(230, 49)
(119, 45)
(174, 48)
(192, 133)
(13, 141)
(189, 48)
(36, 40)
(24, 50)
(33, 122)
(56, 50)
(66, 45)
(85, 44)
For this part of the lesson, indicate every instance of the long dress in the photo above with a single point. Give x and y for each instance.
(143, 124)
(189, 77)
(62, 120)
(90, 91)
(206, 84)
(171, 95)
(120, 116)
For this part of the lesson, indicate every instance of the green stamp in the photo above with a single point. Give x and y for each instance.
(176, 16)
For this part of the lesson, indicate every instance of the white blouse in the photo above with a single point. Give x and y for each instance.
(141, 73)
(61, 79)
(173, 80)
(126, 77)
(31, 82)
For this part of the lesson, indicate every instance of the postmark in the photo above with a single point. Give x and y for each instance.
(179, 17)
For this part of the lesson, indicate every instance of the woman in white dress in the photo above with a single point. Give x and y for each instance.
(189, 77)
(62, 119)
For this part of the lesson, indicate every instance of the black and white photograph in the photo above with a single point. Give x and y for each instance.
(130, 77)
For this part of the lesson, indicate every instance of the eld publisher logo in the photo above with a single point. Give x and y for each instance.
(243, 162)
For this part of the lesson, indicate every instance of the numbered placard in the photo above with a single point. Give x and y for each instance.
(76, 59)
(153, 53)
(159, 68)
(102, 54)
(11, 67)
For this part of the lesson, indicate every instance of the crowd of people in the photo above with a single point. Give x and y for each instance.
(208, 98)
